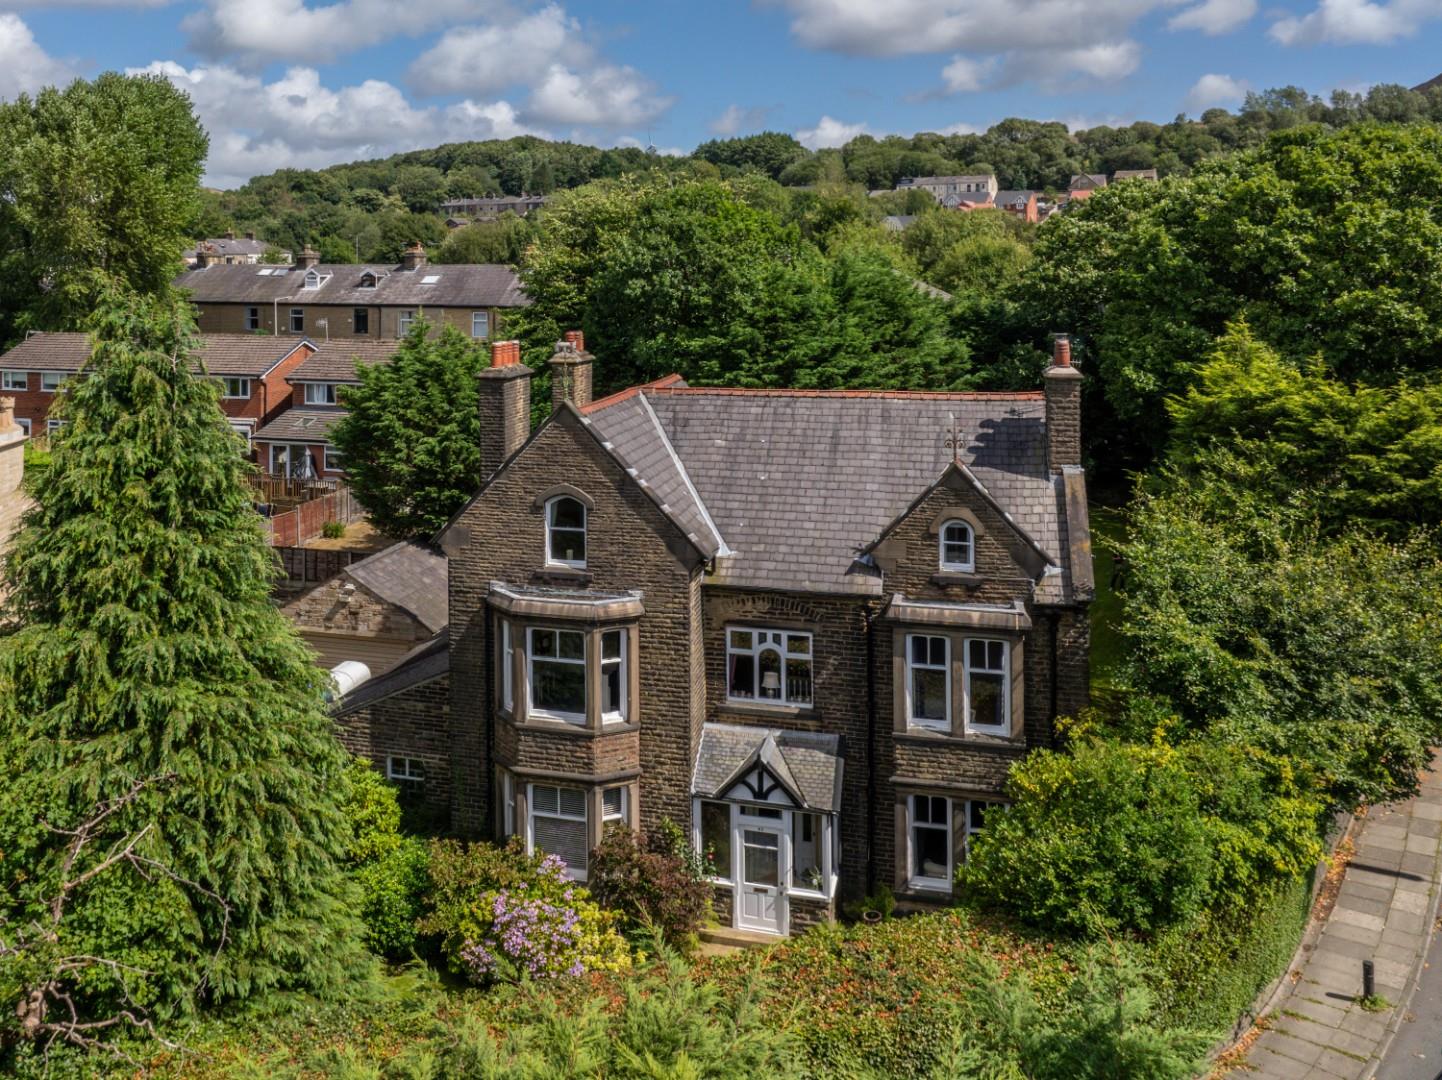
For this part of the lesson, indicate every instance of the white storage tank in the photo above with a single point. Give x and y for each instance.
(346, 676)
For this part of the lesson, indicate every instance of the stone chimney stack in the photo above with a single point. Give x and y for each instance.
(230, 234)
(206, 255)
(505, 404)
(250, 236)
(1063, 407)
(571, 371)
(414, 257)
(307, 258)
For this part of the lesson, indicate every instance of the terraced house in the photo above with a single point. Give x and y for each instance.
(339, 300)
(815, 628)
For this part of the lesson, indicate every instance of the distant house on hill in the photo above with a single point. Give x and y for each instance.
(488, 209)
(1021, 204)
(1134, 174)
(1082, 185)
(953, 188)
(229, 250)
(897, 222)
(341, 300)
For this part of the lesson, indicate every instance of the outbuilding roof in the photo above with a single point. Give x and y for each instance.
(301, 426)
(251, 355)
(807, 764)
(478, 285)
(409, 575)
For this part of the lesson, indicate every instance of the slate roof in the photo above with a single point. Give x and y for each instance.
(808, 762)
(897, 222)
(1087, 181)
(409, 575)
(335, 361)
(1006, 198)
(229, 245)
(479, 285)
(1134, 174)
(222, 354)
(428, 660)
(800, 483)
(301, 425)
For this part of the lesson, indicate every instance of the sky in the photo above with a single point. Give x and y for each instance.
(301, 84)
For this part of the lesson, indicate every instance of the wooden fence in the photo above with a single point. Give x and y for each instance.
(303, 522)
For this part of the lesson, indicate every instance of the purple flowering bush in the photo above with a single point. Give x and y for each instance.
(503, 915)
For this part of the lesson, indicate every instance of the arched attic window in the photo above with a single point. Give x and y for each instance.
(566, 532)
(958, 547)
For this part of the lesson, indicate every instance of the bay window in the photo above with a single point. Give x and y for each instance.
(987, 686)
(772, 667)
(613, 675)
(928, 681)
(508, 668)
(613, 806)
(559, 826)
(557, 664)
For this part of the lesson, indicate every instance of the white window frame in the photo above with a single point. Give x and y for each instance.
(51, 381)
(967, 565)
(970, 829)
(369, 280)
(333, 460)
(532, 812)
(404, 769)
(915, 880)
(313, 280)
(532, 710)
(252, 318)
(508, 803)
(297, 315)
(1004, 728)
(15, 380)
(405, 318)
(585, 531)
(320, 393)
(356, 315)
(242, 429)
(614, 716)
(623, 793)
(240, 382)
(912, 720)
(484, 318)
(52, 426)
(508, 667)
(764, 639)
(24, 422)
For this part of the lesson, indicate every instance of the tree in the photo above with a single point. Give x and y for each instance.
(501, 241)
(99, 182)
(144, 668)
(412, 433)
(770, 152)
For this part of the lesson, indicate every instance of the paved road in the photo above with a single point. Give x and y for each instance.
(1417, 1052)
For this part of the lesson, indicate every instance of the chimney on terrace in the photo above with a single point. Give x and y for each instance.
(414, 257)
(307, 258)
(206, 255)
(571, 371)
(1063, 407)
(505, 405)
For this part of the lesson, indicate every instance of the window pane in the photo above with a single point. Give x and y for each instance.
(937, 648)
(976, 654)
(806, 850)
(568, 514)
(770, 668)
(559, 687)
(976, 813)
(716, 838)
(996, 655)
(545, 799)
(798, 682)
(798, 644)
(741, 639)
(573, 802)
(928, 695)
(741, 681)
(564, 838)
(929, 853)
(613, 802)
(543, 643)
(573, 644)
(987, 700)
(762, 854)
(918, 650)
(611, 687)
(568, 545)
(611, 645)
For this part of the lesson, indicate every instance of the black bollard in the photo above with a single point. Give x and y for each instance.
(1369, 984)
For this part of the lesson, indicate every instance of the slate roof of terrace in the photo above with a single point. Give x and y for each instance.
(335, 361)
(479, 285)
(250, 355)
(794, 486)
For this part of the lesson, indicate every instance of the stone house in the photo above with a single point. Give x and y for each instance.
(252, 371)
(230, 250)
(815, 628)
(325, 300)
(944, 188)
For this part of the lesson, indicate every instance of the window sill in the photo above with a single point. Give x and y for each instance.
(808, 894)
(963, 578)
(582, 730)
(564, 575)
(549, 718)
(929, 887)
(970, 738)
(759, 708)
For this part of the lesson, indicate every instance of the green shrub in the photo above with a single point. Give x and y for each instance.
(389, 866)
(653, 888)
(501, 914)
(333, 530)
(1108, 835)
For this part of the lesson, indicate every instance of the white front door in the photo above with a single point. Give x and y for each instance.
(759, 906)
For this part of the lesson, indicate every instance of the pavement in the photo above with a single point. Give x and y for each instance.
(1416, 1053)
(1385, 912)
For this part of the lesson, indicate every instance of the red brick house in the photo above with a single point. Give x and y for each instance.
(252, 371)
(815, 628)
(297, 442)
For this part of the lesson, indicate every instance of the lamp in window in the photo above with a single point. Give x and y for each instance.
(770, 684)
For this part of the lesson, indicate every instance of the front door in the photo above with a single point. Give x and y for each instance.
(760, 902)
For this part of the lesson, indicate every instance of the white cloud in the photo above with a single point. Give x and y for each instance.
(736, 120)
(829, 133)
(255, 31)
(1212, 90)
(297, 122)
(1356, 22)
(964, 74)
(1107, 62)
(488, 59)
(603, 96)
(24, 66)
(1214, 16)
(961, 129)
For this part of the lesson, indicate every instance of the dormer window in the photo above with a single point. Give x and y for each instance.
(958, 547)
(566, 532)
(369, 280)
(312, 280)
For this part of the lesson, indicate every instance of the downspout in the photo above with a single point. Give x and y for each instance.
(870, 617)
(1055, 668)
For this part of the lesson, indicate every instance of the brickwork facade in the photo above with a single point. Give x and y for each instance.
(331, 321)
(415, 724)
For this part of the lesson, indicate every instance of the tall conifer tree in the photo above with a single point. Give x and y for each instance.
(142, 650)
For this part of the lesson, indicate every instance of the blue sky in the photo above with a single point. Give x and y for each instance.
(294, 82)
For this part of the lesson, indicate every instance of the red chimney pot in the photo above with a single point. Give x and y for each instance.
(1061, 351)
